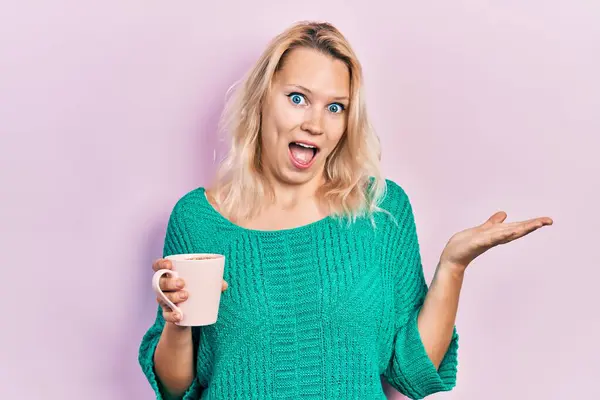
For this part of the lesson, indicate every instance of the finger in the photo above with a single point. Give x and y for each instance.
(546, 221)
(224, 286)
(167, 312)
(532, 225)
(165, 307)
(171, 316)
(512, 232)
(166, 264)
(162, 263)
(168, 284)
(496, 218)
(156, 265)
(175, 297)
(542, 221)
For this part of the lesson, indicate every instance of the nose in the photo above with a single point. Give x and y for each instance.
(312, 123)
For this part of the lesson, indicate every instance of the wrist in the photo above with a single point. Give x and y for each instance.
(453, 269)
(177, 334)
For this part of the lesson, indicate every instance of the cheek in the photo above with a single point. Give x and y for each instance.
(335, 131)
(286, 118)
(268, 132)
(276, 125)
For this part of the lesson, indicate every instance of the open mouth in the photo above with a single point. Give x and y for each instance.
(303, 154)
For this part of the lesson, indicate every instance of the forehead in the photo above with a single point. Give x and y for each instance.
(316, 71)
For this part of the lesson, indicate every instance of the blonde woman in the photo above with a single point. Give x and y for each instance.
(323, 290)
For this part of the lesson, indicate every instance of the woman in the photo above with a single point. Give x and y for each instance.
(323, 288)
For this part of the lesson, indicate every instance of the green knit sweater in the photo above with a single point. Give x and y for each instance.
(316, 312)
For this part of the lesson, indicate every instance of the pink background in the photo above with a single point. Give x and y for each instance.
(107, 116)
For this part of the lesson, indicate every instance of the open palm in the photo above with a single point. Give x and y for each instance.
(465, 246)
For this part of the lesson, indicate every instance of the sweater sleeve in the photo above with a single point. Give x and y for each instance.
(410, 370)
(175, 243)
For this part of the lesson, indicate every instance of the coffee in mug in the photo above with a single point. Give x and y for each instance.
(203, 276)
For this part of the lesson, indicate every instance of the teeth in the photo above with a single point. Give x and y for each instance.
(306, 146)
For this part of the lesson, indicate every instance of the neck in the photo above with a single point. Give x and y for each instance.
(286, 195)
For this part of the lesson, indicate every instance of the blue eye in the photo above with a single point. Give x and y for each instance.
(335, 108)
(296, 98)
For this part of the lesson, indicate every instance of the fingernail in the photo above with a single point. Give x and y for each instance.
(179, 283)
(177, 317)
(183, 295)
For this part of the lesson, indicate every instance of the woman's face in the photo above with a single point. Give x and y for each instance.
(304, 116)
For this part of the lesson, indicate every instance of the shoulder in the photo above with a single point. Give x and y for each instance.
(395, 199)
(394, 190)
(190, 203)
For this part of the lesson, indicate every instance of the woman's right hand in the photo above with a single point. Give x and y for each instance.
(174, 289)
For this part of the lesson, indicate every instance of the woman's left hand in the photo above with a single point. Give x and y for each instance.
(465, 246)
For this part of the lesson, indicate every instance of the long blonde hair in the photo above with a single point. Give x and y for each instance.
(353, 183)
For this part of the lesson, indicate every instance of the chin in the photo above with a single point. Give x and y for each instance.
(291, 175)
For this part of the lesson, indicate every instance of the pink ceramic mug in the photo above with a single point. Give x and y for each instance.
(203, 276)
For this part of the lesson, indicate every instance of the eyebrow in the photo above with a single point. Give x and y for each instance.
(310, 92)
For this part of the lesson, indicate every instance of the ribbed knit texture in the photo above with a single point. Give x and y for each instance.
(316, 312)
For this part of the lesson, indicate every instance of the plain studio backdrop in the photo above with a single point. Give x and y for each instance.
(108, 114)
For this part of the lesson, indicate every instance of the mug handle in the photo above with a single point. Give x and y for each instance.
(156, 286)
